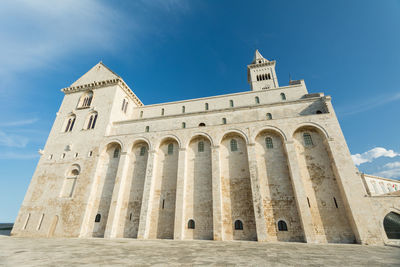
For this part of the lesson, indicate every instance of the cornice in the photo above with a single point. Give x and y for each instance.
(105, 83)
(269, 63)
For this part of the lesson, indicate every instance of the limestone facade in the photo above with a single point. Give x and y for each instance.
(270, 164)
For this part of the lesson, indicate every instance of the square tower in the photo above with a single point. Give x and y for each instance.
(261, 73)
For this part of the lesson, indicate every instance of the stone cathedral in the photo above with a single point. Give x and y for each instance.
(269, 164)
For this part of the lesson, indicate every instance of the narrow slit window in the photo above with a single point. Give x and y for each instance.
(200, 146)
(231, 103)
(257, 100)
(162, 112)
(234, 145)
(40, 221)
(183, 125)
(206, 106)
(163, 203)
(336, 205)
(183, 109)
(223, 120)
(308, 201)
(268, 143)
(147, 129)
(98, 218)
(26, 221)
(94, 121)
(307, 139)
(170, 149)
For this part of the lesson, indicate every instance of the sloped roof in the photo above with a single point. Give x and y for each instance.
(99, 72)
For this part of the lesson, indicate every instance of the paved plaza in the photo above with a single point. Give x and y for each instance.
(106, 252)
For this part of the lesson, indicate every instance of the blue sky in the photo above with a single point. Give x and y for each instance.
(170, 50)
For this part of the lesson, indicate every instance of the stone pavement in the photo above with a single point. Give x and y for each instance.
(105, 252)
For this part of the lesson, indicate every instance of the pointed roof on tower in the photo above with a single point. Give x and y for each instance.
(99, 72)
(258, 58)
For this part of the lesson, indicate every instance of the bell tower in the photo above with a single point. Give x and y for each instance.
(261, 73)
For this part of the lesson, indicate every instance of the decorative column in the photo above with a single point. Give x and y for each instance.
(115, 222)
(300, 194)
(148, 194)
(261, 225)
(179, 224)
(216, 194)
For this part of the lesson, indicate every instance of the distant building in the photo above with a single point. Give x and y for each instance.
(270, 164)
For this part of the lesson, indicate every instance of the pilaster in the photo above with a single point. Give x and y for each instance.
(261, 225)
(148, 193)
(300, 194)
(217, 194)
(179, 224)
(115, 215)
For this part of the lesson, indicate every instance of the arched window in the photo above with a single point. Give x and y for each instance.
(92, 121)
(258, 78)
(307, 139)
(268, 142)
(70, 123)
(223, 120)
(98, 218)
(269, 76)
(391, 224)
(124, 105)
(183, 109)
(202, 124)
(269, 116)
(147, 129)
(282, 226)
(234, 145)
(318, 112)
(231, 103)
(184, 125)
(170, 149)
(70, 181)
(206, 106)
(191, 224)
(116, 152)
(283, 96)
(200, 146)
(162, 112)
(86, 100)
(142, 151)
(257, 100)
(238, 225)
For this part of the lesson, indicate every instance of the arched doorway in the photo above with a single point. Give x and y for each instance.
(391, 224)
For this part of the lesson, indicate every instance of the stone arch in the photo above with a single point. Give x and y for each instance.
(314, 125)
(168, 137)
(140, 140)
(198, 188)
(69, 184)
(234, 131)
(391, 224)
(109, 142)
(108, 164)
(203, 134)
(331, 223)
(164, 197)
(276, 186)
(136, 175)
(86, 99)
(275, 129)
(237, 200)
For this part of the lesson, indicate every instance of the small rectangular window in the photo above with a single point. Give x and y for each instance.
(76, 155)
(51, 156)
(90, 154)
(26, 221)
(63, 155)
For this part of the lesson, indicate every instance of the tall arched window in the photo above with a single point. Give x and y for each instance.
(258, 78)
(183, 109)
(200, 146)
(257, 100)
(283, 96)
(234, 145)
(191, 224)
(206, 106)
(70, 123)
(238, 225)
(98, 218)
(391, 224)
(269, 116)
(282, 226)
(170, 149)
(92, 121)
(307, 139)
(116, 153)
(231, 103)
(70, 181)
(86, 100)
(268, 142)
(269, 76)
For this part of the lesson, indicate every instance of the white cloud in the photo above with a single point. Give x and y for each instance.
(19, 123)
(392, 165)
(372, 154)
(11, 140)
